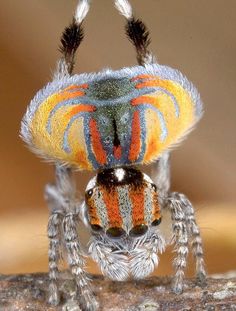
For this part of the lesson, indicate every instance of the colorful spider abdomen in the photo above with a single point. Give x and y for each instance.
(122, 201)
(112, 118)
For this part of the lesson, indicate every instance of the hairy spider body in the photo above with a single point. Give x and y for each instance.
(110, 122)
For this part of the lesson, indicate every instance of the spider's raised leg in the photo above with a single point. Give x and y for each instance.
(137, 33)
(70, 41)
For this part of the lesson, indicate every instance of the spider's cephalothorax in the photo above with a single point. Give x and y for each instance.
(122, 202)
(110, 122)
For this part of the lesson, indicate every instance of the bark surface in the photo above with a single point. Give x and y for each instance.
(29, 292)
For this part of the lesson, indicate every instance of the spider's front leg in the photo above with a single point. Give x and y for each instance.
(62, 231)
(184, 224)
(76, 262)
(54, 256)
(184, 229)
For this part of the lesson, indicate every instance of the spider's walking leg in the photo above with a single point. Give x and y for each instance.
(63, 204)
(76, 262)
(185, 229)
(54, 256)
(56, 197)
(180, 238)
(196, 242)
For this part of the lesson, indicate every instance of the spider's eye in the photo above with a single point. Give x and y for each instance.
(115, 232)
(138, 230)
(156, 222)
(96, 228)
(89, 193)
(154, 187)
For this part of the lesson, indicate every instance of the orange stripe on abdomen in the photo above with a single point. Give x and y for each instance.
(111, 201)
(99, 152)
(137, 200)
(143, 76)
(135, 144)
(81, 108)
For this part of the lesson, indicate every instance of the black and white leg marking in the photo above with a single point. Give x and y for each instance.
(180, 239)
(62, 231)
(76, 262)
(196, 240)
(52, 197)
(54, 256)
(185, 230)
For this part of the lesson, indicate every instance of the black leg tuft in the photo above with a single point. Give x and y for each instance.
(139, 36)
(71, 38)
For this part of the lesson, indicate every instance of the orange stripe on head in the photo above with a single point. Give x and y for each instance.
(111, 201)
(137, 198)
(99, 152)
(92, 211)
(135, 144)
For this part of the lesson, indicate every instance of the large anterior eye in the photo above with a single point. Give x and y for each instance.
(156, 222)
(138, 230)
(96, 228)
(115, 232)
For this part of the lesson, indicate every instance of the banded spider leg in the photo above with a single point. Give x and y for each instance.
(184, 226)
(63, 233)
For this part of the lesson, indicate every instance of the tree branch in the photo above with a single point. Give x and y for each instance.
(29, 292)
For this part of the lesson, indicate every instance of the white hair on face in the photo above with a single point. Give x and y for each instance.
(92, 183)
(124, 7)
(120, 173)
(82, 10)
(147, 178)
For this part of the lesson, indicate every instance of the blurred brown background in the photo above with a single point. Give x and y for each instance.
(196, 36)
